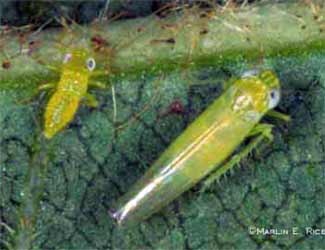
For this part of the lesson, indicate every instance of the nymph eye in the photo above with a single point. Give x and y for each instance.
(67, 57)
(273, 98)
(91, 64)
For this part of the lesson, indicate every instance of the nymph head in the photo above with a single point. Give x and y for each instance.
(79, 59)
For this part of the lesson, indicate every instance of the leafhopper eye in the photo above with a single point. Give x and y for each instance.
(273, 98)
(91, 64)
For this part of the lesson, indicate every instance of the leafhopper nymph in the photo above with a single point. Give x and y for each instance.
(78, 66)
(203, 148)
(77, 69)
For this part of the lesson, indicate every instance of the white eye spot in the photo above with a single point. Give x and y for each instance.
(91, 64)
(67, 57)
(250, 73)
(273, 98)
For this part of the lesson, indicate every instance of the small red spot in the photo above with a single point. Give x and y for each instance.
(6, 64)
(176, 107)
(98, 42)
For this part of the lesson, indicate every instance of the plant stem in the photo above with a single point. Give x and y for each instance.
(193, 39)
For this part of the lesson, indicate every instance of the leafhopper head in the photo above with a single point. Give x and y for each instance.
(255, 94)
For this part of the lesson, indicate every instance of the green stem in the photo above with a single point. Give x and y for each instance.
(192, 40)
(32, 193)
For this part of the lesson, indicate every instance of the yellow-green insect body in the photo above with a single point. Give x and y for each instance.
(77, 68)
(202, 147)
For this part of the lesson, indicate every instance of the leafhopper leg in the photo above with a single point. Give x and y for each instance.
(97, 84)
(278, 115)
(91, 100)
(52, 68)
(261, 132)
(46, 86)
(99, 73)
(43, 87)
